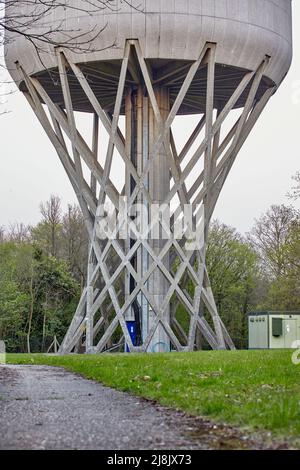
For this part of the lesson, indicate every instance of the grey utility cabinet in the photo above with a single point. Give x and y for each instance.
(273, 330)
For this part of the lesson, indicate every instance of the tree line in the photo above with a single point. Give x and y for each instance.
(43, 271)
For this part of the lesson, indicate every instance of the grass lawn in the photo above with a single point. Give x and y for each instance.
(253, 389)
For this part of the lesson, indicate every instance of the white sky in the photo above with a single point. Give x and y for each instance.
(30, 170)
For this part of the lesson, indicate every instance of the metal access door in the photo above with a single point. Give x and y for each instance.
(290, 332)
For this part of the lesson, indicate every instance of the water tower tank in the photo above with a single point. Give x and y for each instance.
(150, 60)
(169, 32)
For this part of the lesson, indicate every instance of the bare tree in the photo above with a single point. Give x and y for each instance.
(28, 18)
(270, 237)
(52, 215)
(32, 20)
(294, 194)
(2, 234)
(74, 242)
(19, 233)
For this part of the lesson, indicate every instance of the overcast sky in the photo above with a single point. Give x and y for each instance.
(30, 171)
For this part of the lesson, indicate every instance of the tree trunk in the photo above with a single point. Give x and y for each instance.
(30, 314)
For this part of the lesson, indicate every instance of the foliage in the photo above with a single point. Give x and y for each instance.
(233, 268)
(54, 290)
(37, 297)
(13, 306)
(14, 302)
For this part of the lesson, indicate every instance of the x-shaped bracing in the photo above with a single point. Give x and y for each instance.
(218, 155)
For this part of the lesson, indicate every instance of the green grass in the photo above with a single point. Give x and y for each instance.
(254, 389)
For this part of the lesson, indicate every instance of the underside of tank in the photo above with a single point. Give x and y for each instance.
(103, 78)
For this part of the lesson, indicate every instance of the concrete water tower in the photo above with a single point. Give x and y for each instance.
(219, 60)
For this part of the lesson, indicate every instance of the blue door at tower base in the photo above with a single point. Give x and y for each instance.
(131, 326)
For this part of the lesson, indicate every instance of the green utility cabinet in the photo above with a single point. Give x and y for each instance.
(273, 330)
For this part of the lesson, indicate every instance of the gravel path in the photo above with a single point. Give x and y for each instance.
(48, 408)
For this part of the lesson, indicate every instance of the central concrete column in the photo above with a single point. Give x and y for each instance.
(142, 132)
(159, 188)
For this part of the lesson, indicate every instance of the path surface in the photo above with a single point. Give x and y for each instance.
(48, 408)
